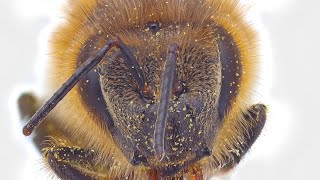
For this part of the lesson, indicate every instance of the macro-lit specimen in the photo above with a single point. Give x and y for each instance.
(158, 89)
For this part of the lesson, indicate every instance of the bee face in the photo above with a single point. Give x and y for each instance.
(192, 109)
(170, 95)
(194, 94)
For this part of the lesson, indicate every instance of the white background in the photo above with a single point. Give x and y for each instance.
(290, 143)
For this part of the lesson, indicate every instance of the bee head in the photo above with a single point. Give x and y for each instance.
(160, 80)
(162, 88)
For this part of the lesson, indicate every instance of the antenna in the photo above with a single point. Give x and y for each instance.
(38, 117)
(166, 90)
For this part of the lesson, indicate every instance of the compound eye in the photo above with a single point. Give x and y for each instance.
(154, 26)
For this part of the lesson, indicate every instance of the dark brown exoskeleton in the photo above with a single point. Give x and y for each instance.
(158, 90)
